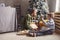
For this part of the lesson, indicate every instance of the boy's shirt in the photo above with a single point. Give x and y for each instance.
(50, 23)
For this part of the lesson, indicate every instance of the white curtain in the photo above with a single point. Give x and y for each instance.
(7, 19)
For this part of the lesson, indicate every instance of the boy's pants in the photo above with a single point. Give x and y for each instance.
(45, 32)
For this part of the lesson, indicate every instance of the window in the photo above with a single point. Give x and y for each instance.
(57, 6)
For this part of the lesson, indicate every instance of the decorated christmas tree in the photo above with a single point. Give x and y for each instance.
(40, 5)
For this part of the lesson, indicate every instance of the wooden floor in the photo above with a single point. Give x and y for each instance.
(13, 36)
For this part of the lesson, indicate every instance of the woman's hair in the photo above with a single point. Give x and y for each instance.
(32, 11)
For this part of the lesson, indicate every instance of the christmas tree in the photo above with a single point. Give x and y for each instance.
(40, 5)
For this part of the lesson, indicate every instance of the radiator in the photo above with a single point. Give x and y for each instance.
(57, 21)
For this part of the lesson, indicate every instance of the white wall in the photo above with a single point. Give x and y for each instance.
(24, 4)
(52, 5)
(11, 2)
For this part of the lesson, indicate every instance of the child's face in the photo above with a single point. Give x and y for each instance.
(48, 17)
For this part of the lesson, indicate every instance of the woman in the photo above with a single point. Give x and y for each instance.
(29, 22)
(31, 19)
